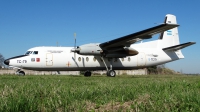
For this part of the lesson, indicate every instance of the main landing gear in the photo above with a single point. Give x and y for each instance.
(87, 74)
(110, 73)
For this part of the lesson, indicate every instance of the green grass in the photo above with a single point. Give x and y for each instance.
(99, 93)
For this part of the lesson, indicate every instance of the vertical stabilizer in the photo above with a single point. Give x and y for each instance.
(170, 37)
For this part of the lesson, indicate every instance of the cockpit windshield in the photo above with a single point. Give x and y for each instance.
(27, 53)
(35, 52)
(31, 52)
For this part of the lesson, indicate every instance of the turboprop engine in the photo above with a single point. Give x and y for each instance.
(95, 49)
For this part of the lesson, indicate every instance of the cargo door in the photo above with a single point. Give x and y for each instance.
(141, 59)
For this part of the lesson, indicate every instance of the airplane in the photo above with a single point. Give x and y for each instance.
(124, 53)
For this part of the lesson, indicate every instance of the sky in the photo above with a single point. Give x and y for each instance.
(29, 23)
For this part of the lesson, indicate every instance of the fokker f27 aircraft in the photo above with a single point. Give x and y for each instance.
(119, 54)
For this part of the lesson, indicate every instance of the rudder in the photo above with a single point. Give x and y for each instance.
(170, 37)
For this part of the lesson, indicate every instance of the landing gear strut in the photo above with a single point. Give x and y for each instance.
(87, 74)
(110, 73)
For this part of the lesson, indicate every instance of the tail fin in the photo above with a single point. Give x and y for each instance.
(170, 37)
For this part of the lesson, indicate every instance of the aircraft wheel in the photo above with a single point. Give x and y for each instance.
(87, 74)
(111, 73)
(21, 73)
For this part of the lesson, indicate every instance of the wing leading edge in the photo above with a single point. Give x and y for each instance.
(127, 40)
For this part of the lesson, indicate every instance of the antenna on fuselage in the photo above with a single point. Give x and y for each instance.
(74, 45)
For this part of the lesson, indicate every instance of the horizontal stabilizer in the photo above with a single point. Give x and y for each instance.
(178, 47)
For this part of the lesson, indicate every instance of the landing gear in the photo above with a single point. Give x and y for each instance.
(20, 73)
(87, 74)
(111, 73)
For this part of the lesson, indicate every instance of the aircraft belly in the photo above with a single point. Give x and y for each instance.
(80, 68)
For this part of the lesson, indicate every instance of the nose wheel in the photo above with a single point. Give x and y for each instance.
(20, 73)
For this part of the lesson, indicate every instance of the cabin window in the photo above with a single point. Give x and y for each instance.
(79, 58)
(122, 59)
(94, 59)
(87, 59)
(35, 52)
(129, 59)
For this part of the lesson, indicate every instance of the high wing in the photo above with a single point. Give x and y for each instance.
(120, 47)
(127, 40)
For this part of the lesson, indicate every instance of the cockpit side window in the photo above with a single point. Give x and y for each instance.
(35, 52)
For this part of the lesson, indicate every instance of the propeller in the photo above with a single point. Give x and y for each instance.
(76, 49)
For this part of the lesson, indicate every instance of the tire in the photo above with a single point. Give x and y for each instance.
(21, 73)
(87, 74)
(111, 73)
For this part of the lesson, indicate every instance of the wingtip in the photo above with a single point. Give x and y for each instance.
(193, 42)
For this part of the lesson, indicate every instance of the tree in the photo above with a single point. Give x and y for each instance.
(152, 70)
(1, 61)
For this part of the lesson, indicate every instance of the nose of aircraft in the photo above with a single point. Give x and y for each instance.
(7, 62)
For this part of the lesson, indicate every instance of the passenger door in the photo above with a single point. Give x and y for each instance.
(49, 59)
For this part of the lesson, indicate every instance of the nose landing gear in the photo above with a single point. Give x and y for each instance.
(20, 72)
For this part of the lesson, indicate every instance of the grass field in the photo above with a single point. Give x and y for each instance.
(99, 93)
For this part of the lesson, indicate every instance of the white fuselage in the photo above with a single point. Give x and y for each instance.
(62, 59)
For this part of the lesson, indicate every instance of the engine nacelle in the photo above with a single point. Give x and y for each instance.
(94, 49)
(121, 53)
(90, 49)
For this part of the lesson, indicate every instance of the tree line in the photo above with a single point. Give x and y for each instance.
(1, 61)
(160, 69)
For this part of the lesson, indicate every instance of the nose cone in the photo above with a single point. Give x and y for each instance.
(7, 62)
